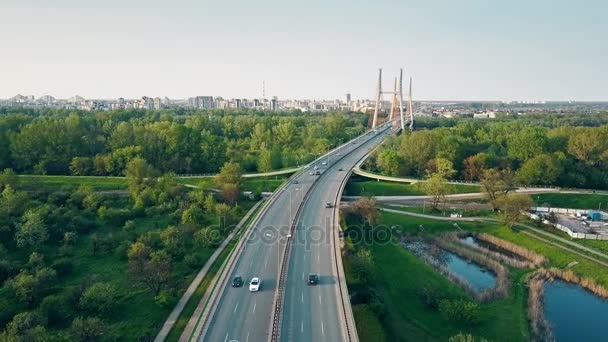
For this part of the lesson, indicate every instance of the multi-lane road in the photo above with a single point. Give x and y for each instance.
(309, 312)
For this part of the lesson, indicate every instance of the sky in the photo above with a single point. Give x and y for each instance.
(323, 49)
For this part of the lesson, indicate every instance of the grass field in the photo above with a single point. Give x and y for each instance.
(257, 184)
(488, 213)
(361, 187)
(398, 277)
(574, 201)
(407, 318)
(36, 182)
(51, 183)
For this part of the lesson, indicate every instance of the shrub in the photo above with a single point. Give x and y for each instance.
(63, 266)
(99, 298)
(460, 310)
(88, 329)
(56, 309)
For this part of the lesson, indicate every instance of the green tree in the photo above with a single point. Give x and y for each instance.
(389, 162)
(88, 329)
(99, 298)
(543, 169)
(496, 184)
(512, 206)
(230, 173)
(32, 231)
(207, 237)
(435, 184)
(138, 173)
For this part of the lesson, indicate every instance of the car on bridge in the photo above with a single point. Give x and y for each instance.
(255, 284)
(237, 281)
(313, 279)
(328, 205)
(318, 173)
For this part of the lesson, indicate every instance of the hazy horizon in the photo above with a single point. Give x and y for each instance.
(465, 51)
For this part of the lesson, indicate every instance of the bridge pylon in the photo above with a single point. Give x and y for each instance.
(396, 111)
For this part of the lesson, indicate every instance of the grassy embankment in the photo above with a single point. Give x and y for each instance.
(37, 182)
(363, 187)
(574, 201)
(399, 276)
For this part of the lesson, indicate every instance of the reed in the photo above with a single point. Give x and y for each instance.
(531, 259)
(540, 326)
(537, 259)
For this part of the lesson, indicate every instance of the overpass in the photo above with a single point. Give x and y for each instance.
(293, 235)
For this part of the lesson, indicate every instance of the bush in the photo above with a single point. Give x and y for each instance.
(430, 296)
(99, 298)
(88, 329)
(193, 261)
(460, 310)
(63, 266)
(163, 299)
(56, 309)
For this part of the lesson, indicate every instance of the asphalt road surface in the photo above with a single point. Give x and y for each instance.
(311, 313)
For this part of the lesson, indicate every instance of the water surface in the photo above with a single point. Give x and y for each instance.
(479, 277)
(575, 314)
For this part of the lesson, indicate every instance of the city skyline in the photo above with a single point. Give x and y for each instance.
(470, 51)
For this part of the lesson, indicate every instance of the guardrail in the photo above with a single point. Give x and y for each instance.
(276, 321)
(228, 266)
(349, 320)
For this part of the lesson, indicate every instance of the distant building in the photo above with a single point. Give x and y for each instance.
(157, 103)
(348, 98)
(201, 102)
(274, 104)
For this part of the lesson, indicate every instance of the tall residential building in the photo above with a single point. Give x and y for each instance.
(157, 103)
(347, 98)
(201, 102)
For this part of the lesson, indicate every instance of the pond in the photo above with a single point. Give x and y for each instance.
(472, 241)
(479, 277)
(575, 314)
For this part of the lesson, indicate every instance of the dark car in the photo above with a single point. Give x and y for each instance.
(237, 281)
(340, 169)
(313, 279)
(328, 205)
(318, 173)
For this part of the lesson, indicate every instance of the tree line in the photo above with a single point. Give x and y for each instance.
(568, 156)
(64, 142)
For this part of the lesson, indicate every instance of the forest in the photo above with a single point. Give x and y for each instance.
(535, 150)
(61, 142)
(87, 265)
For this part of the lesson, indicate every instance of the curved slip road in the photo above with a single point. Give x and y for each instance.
(245, 316)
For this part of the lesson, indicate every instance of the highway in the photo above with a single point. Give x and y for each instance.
(246, 316)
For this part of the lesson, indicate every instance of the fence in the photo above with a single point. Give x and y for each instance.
(567, 230)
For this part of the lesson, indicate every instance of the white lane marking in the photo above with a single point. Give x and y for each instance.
(302, 297)
(254, 305)
(317, 258)
(322, 330)
(226, 338)
(247, 339)
(302, 275)
(236, 306)
(266, 263)
(302, 326)
(319, 299)
(304, 257)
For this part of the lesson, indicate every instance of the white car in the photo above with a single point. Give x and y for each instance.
(254, 285)
(324, 163)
